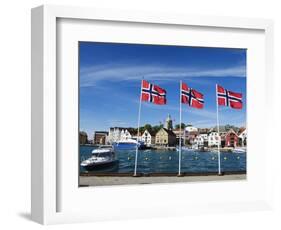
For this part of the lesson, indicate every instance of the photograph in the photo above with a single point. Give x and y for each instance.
(161, 113)
(140, 113)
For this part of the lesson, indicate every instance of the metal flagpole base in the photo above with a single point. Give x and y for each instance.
(180, 175)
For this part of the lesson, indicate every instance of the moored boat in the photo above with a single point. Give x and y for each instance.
(185, 148)
(239, 150)
(128, 144)
(102, 158)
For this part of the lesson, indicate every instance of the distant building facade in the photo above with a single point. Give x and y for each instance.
(201, 140)
(83, 138)
(116, 134)
(222, 129)
(231, 139)
(189, 137)
(125, 135)
(203, 130)
(100, 137)
(147, 138)
(179, 133)
(165, 137)
(195, 137)
(214, 139)
(190, 134)
(243, 137)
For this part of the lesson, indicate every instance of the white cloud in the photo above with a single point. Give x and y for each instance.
(91, 75)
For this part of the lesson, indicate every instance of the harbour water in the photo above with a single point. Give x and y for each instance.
(161, 161)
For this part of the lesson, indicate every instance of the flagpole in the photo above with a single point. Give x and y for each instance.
(137, 149)
(218, 128)
(179, 173)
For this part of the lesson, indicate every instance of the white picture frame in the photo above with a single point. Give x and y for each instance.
(48, 184)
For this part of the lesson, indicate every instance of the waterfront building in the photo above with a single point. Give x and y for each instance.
(223, 130)
(125, 135)
(203, 131)
(213, 139)
(168, 123)
(100, 137)
(178, 133)
(201, 140)
(190, 134)
(190, 137)
(165, 137)
(231, 139)
(147, 138)
(116, 134)
(242, 137)
(83, 138)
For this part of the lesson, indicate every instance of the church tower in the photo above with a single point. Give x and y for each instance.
(169, 123)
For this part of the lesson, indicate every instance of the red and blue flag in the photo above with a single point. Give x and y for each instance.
(191, 97)
(229, 98)
(153, 93)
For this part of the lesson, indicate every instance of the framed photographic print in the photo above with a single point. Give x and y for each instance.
(132, 109)
(131, 127)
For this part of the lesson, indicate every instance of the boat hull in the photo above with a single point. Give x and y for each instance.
(239, 151)
(101, 166)
(185, 149)
(126, 146)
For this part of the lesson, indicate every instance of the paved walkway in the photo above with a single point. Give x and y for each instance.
(115, 180)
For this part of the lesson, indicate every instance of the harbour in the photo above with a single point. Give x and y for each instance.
(165, 162)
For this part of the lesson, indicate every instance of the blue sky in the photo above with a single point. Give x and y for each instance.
(111, 73)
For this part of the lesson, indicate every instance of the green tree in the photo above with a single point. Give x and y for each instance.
(142, 129)
(177, 126)
(132, 131)
(148, 127)
(156, 128)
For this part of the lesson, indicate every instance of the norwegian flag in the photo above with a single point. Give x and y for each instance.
(191, 97)
(153, 93)
(229, 98)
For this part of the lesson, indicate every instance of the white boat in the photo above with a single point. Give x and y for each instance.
(214, 150)
(239, 150)
(103, 149)
(128, 144)
(184, 148)
(102, 157)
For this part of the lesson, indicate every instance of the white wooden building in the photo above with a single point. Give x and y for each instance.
(200, 140)
(243, 137)
(116, 134)
(214, 139)
(125, 135)
(147, 138)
